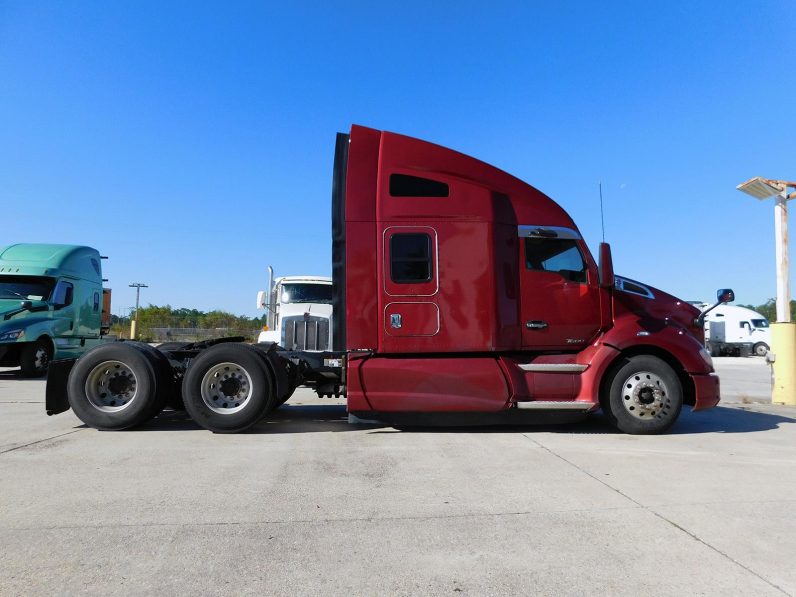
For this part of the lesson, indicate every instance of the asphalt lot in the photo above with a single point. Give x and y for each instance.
(308, 504)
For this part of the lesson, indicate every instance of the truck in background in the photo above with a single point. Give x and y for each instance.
(52, 304)
(460, 295)
(736, 331)
(299, 312)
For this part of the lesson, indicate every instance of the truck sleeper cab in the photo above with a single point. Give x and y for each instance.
(460, 294)
(52, 304)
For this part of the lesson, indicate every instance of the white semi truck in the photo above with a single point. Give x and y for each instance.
(299, 312)
(731, 330)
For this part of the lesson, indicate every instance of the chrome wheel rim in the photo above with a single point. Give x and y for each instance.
(226, 388)
(111, 386)
(645, 396)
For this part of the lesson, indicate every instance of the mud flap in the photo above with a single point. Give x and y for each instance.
(56, 400)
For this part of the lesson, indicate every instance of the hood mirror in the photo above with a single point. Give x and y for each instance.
(725, 295)
(606, 266)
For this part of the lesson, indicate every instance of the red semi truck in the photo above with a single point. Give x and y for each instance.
(462, 295)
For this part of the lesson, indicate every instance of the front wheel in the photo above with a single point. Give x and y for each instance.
(35, 358)
(228, 388)
(643, 396)
(760, 349)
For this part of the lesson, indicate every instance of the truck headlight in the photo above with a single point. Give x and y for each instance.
(706, 357)
(11, 335)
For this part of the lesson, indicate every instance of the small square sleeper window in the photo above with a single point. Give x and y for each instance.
(410, 258)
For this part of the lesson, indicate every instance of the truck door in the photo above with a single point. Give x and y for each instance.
(410, 285)
(560, 304)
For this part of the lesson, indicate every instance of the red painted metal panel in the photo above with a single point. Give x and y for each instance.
(707, 391)
(411, 319)
(362, 314)
(362, 175)
(355, 390)
(362, 310)
(553, 386)
(472, 184)
(466, 295)
(434, 384)
(507, 288)
(630, 331)
(570, 310)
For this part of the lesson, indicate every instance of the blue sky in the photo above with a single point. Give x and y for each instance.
(192, 142)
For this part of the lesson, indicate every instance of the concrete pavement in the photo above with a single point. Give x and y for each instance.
(306, 503)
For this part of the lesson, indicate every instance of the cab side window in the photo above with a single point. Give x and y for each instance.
(62, 296)
(560, 256)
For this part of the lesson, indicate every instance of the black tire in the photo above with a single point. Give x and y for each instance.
(715, 351)
(236, 381)
(35, 358)
(643, 395)
(760, 349)
(100, 389)
(172, 391)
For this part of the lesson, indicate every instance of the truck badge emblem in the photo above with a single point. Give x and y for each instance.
(395, 320)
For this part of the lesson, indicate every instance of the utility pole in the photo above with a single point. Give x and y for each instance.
(138, 286)
(782, 355)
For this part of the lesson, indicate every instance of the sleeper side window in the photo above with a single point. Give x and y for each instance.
(557, 255)
(404, 185)
(410, 258)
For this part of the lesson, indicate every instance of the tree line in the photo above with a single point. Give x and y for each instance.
(157, 317)
(769, 309)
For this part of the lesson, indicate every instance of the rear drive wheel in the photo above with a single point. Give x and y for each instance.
(35, 358)
(644, 395)
(760, 349)
(228, 388)
(116, 386)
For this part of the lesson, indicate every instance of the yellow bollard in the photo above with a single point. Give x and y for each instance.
(783, 345)
(132, 329)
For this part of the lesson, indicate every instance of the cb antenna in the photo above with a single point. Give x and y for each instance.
(602, 217)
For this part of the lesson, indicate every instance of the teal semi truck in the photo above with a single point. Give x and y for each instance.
(52, 304)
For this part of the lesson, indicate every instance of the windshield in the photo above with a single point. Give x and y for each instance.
(760, 323)
(26, 288)
(307, 293)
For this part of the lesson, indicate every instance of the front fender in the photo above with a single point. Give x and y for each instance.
(632, 333)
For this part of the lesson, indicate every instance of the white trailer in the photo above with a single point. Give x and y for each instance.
(731, 330)
(299, 312)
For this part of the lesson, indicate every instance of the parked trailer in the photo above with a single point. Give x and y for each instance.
(461, 295)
